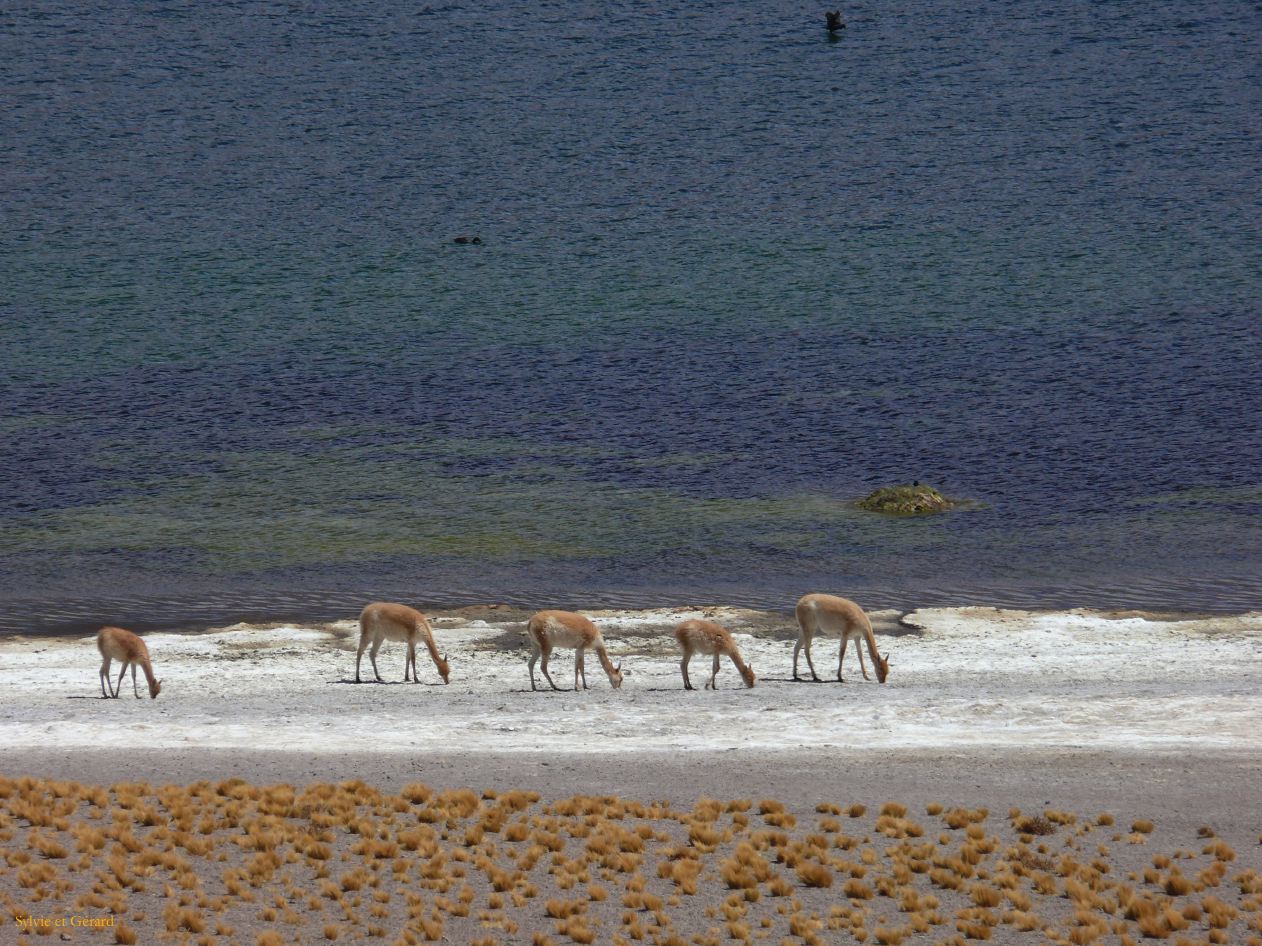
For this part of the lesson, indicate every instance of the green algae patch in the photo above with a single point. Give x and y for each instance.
(913, 500)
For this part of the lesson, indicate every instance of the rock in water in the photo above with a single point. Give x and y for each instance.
(911, 500)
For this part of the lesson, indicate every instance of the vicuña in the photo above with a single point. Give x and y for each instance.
(383, 621)
(829, 615)
(551, 629)
(699, 636)
(114, 643)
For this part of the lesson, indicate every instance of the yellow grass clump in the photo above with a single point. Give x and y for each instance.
(815, 875)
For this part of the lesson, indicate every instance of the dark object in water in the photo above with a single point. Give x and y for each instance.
(905, 500)
(468, 241)
(834, 21)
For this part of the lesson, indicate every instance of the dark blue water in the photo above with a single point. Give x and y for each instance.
(733, 276)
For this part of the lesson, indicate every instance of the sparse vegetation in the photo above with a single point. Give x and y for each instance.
(349, 863)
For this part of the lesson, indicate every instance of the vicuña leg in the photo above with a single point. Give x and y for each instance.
(580, 671)
(359, 656)
(804, 642)
(105, 676)
(714, 675)
(547, 652)
(859, 650)
(683, 665)
(841, 659)
(135, 689)
(372, 656)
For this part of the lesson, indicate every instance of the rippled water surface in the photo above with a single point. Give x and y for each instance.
(733, 275)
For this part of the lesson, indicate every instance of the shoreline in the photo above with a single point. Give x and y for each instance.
(71, 615)
(965, 679)
(884, 618)
(1013, 686)
(1132, 740)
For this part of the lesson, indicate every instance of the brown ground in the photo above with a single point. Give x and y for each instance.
(384, 860)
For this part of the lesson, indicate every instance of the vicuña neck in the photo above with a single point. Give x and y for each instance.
(603, 656)
(433, 651)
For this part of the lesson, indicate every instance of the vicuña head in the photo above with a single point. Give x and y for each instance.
(882, 665)
(114, 643)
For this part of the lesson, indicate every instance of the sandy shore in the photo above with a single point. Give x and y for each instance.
(1134, 717)
(1010, 706)
(961, 679)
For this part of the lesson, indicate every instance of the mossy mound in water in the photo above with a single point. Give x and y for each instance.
(905, 500)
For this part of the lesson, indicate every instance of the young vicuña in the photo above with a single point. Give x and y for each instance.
(699, 636)
(114, 643)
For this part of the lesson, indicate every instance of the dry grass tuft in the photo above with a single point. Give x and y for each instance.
(984, 896)
(576, 928)
(1221, 851)
(1035, 825)
(958, 818)
(47, 847)
(815, 875)
(856, 889)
